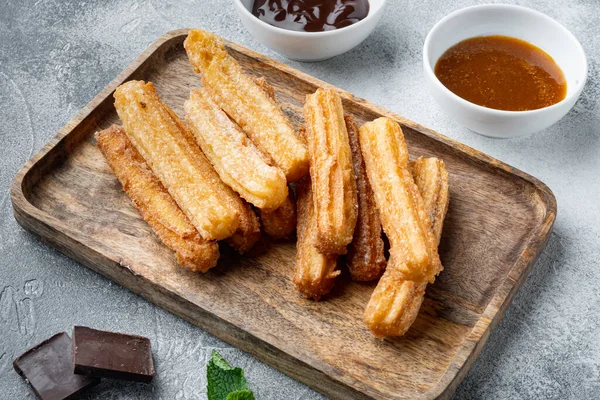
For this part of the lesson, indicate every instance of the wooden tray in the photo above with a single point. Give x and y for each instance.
(497, 225)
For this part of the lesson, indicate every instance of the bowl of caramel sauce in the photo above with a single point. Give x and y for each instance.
(503, 70)
(310, 30)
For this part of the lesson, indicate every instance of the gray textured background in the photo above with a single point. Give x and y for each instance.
(56, 55)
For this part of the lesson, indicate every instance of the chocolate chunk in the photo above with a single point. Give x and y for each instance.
(112, 355)
(48, 367)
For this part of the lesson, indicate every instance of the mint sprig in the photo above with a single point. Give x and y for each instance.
(240, 395)
(226, 382)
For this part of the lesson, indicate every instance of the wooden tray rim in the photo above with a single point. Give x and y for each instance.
(497, 305)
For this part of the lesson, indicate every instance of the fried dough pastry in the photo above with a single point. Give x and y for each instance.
(331, 171)
(264, 85)
(395, 303)
(281, 222)
(366, 260)
(235, 158)
(401, 207)
(246, 103)
(431, 177)
(154, 203)
(170, 150)
(248, 232)
(315, 273)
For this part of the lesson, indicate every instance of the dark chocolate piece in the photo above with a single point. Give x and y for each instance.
(48, 367)
(112, 355)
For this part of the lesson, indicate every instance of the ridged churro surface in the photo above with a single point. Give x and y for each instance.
(394, 304)
(246, 103)
(396, 301)
(171, 152)
(331, 171)
(314, 273)
(248, 231)
(366, 260)
(401, 208)
(235, 158)
(154, 203)
(281, 222)
(431, 177)
(264, 85)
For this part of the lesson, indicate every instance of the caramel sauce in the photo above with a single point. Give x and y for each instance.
(310, 15)
(502, 72)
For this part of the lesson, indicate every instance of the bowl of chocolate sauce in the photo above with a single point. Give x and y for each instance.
(310, 30)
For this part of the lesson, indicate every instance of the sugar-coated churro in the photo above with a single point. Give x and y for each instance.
(396, 301)
(264, 85)
(170, 151)
(281, 222)
(314, 273)
(246, 103)
(365, 260)
(248, 232)
(154, 203)
(331, 171)
(401, 207)
(431, 177)
(235, 158)
(394, 304)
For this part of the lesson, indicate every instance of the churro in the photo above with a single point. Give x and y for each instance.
(366, 259)
(396, 301)
(314, 273)
(246, 103)
(264, 85)
(170, 150)
(431, 177)
(154, 203)
(394, 304)
(401, 207)
(281, 222)
(331, 171)
(248, 231)
(235, 158)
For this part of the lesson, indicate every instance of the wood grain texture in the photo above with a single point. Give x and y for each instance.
(498, 223)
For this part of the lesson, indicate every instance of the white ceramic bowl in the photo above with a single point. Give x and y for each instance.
(309, 46)
(522, 23)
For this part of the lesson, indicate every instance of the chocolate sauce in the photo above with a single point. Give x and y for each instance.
(310, 15)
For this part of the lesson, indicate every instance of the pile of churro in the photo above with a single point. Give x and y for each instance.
(235, 168)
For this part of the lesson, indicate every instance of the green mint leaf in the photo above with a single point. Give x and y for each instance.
(223, 380)
(240, 395)
(220, 361)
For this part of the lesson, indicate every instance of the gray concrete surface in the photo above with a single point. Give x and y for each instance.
(56, 55)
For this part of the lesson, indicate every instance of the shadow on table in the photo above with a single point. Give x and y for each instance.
(115, 389)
